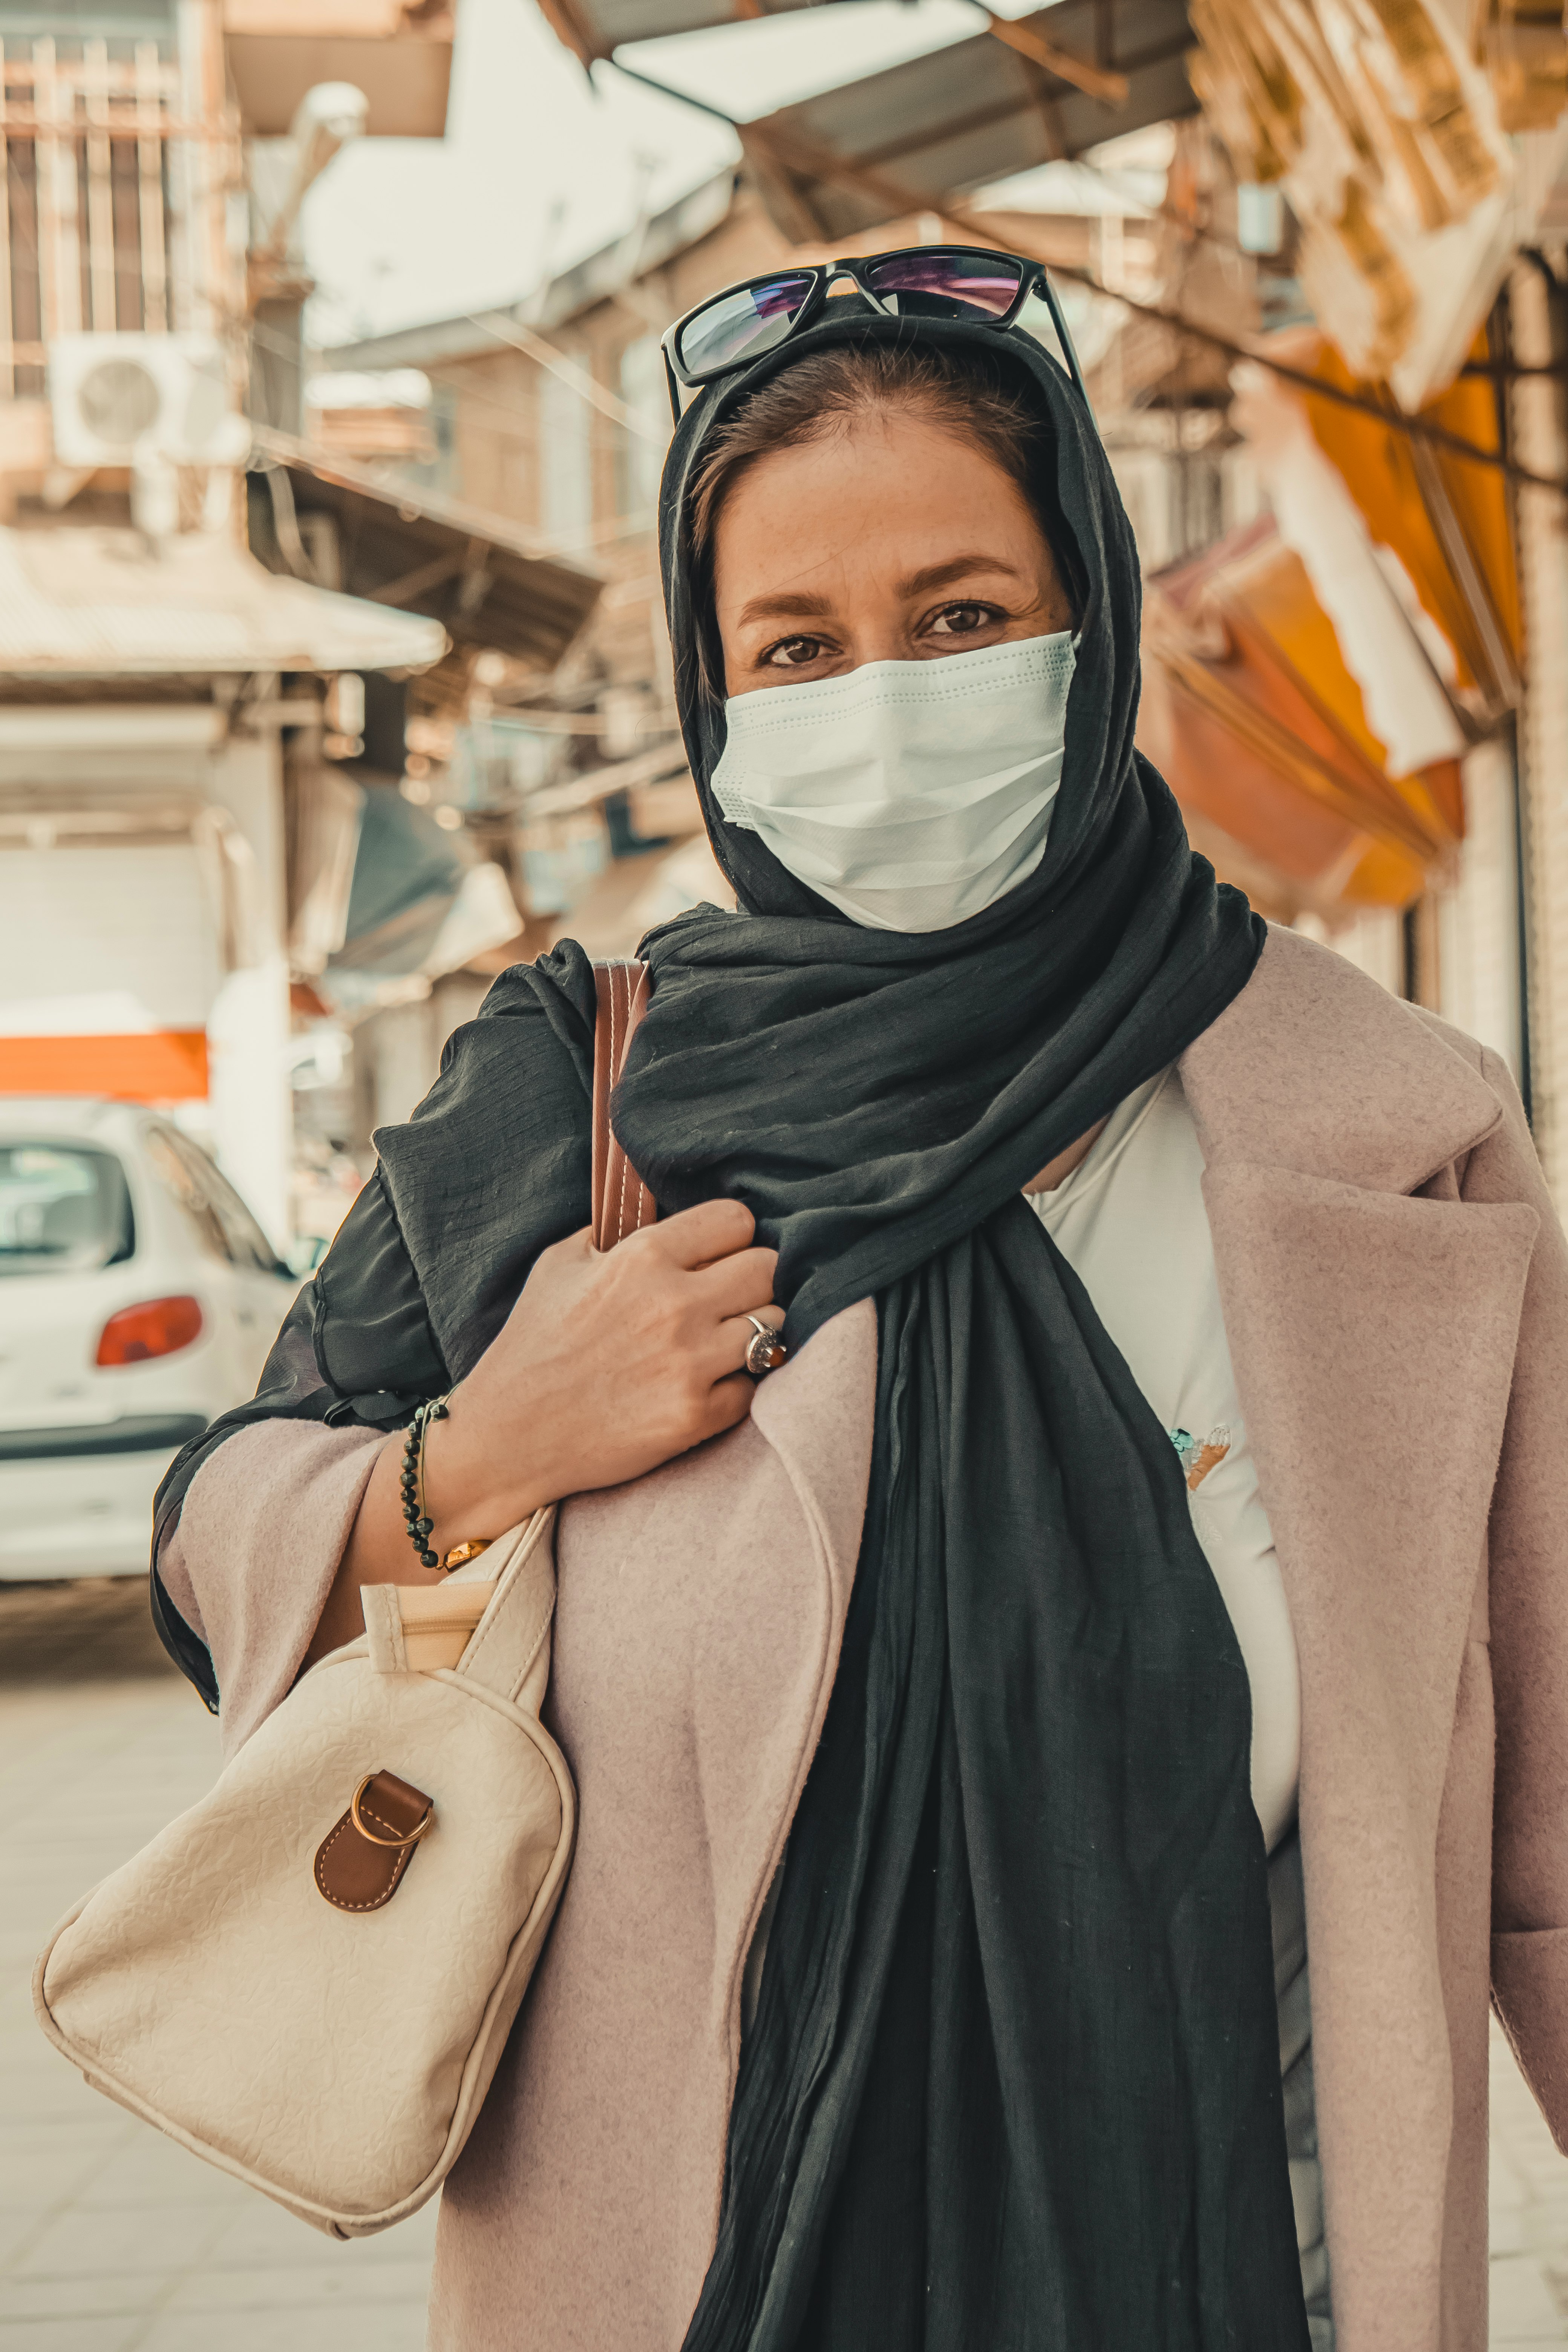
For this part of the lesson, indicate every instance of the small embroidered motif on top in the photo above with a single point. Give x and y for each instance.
(1198, 1458)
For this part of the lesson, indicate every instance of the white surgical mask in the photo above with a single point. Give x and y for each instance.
(909, 794)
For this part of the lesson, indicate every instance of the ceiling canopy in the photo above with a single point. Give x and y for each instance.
(1024, 91)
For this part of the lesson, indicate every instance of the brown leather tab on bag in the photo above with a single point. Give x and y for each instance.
(622, 1201)
(359, 1868)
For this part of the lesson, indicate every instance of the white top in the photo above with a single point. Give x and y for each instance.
(1130, 1222)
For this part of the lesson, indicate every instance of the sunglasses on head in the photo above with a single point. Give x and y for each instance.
(924, 281)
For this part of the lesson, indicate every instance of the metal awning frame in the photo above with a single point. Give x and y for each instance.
(488, 582)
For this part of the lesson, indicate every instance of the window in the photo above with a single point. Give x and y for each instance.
(63, 1210)
(222, 1221)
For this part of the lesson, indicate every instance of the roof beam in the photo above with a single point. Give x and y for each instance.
(1094, 81)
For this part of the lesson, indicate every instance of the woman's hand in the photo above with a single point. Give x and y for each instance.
(610, 1363)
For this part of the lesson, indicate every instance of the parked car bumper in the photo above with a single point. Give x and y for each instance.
(80, 1513)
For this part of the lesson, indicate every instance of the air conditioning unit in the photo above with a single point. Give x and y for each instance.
(118, 399)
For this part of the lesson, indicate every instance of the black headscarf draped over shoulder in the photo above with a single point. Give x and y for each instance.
(1014, 2078)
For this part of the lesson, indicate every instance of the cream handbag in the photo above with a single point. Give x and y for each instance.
(308, 1977)
(334, 2053)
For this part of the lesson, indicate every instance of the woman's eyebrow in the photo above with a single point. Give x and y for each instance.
(803, 607)
(960, 567)
(798, 607)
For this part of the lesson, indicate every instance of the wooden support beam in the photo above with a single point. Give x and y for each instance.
(150, 188)
(99, 195)
(415, 583)
(1094, 81)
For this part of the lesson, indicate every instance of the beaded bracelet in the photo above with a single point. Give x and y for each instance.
(415, 1517)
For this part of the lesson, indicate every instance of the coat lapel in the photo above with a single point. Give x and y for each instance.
(1373, 1335)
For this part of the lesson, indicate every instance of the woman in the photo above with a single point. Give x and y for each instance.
(1174, 1318)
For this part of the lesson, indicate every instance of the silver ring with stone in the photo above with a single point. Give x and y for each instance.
(766, 1352)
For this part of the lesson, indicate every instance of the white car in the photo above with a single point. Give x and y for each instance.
(137, 1299)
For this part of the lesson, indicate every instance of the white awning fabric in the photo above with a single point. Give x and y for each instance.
(88, 602)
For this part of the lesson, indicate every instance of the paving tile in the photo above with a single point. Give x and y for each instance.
(377, 2328)
(149, 2169)
(94, 2295)
(15, 2003)
(73, 2335)
(277, 2287)
(1509, 2232)
(48, 2089)
(17, 2229)
(1524, 2308)
(160, 2239)
(42, 2163)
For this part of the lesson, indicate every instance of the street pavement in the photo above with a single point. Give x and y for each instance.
(113, 2240)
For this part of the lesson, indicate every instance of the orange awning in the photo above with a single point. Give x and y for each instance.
(1250, 712)
(1446, 517)
(155, 1065)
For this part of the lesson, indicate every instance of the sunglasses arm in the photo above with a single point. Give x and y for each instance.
(672, 383)
(1058, 319)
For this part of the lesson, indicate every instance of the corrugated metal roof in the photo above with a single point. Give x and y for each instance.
(977, 112)
(89, 603)
(980, 109)
(413, 551)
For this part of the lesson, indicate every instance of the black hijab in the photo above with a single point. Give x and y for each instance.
(1014, 2079)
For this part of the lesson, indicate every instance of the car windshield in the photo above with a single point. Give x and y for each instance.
(64, 1209)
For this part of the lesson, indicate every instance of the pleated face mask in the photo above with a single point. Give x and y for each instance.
(908, 795)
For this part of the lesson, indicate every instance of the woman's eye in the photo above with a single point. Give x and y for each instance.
(962, 620)
(793, 653)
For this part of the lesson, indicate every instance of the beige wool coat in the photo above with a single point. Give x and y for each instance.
(1394, 1286)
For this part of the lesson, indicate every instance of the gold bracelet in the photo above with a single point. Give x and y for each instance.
(461, 1553)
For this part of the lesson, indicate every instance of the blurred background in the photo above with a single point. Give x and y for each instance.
(333, 672)
(333, 680)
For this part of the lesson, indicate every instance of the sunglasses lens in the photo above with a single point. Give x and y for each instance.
(743, 325)
(936, 285)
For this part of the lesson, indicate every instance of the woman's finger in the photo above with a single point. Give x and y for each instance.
(737, 1284)
(695, 1237)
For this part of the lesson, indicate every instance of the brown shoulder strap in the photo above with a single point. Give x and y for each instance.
(622, 1201)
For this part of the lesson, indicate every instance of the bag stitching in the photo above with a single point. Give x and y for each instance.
(398, 1867)
(477, 1647)
(483, 1635)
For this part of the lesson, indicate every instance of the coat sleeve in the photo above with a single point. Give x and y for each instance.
(354, 1351)
(1529, 1622)
(251, 1558)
